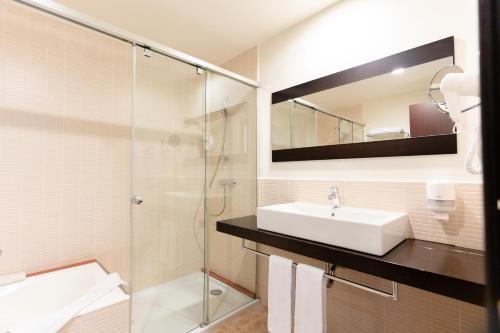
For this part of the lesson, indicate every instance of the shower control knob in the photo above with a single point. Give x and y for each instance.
(136, 200)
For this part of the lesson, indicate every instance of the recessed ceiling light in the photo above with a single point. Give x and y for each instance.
(398, 70)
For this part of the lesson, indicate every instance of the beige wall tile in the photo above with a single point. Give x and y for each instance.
(473, 318)
(112, 319)
(65, 136)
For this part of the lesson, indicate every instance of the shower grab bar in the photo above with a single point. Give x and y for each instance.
(393, 296)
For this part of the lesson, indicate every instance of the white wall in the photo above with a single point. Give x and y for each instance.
(391, 111)
(244, 64)
(350, 33)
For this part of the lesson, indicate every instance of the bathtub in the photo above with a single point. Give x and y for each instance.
(45, 293)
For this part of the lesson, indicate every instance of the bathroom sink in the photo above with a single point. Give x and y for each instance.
(366, 230)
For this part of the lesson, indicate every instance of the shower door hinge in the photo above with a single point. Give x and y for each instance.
(147, 52)
(200, 71)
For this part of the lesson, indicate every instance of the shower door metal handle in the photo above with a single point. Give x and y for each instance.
(136, 200)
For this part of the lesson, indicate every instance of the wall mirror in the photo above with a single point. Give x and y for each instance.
(377, 109)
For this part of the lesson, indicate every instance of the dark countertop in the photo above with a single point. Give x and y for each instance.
(443, 269)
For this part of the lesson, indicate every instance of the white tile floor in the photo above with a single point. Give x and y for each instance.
(177, 306)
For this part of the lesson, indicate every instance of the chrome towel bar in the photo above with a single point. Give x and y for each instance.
(393, 296)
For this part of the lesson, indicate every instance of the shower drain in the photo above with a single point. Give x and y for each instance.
(216, 292)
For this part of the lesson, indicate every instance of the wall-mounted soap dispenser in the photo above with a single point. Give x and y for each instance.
(441, 199)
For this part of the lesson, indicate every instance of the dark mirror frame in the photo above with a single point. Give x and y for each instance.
(429, 145)
(489, 20)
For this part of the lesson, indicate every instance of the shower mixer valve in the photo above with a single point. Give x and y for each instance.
(136, 200)
(227, 181)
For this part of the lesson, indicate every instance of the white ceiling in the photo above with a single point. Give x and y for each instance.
(213, 30)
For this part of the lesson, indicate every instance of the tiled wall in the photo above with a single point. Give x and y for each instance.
(65, 116)
(465, 227)
(112, 319)
(353, 310)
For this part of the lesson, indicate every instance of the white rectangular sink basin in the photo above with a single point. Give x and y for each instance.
(366, 230)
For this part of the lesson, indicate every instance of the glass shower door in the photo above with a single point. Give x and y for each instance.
(231, 191)
(168, 176)
(194, 162)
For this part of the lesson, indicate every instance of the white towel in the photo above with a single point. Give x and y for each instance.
(385, 130)
(310, 291)
(57, 320)
(279, 300)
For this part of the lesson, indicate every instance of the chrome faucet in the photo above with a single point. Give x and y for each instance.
(334, 197)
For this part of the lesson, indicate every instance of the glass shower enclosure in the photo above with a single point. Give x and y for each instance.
(193, 163)
(297, 123)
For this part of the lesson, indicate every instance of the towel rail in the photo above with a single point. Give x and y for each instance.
(393, 296)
